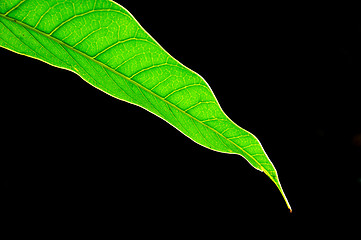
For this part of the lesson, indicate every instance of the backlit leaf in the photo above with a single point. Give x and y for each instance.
(102, 42)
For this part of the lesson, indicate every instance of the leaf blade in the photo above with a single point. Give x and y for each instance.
(129, 65)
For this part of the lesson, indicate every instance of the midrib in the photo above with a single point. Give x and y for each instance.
(138, 85)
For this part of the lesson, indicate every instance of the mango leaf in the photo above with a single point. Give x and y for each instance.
(102, 42)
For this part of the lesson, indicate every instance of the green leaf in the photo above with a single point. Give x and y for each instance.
(102, 42)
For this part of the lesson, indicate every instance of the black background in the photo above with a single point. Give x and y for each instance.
(290, 74)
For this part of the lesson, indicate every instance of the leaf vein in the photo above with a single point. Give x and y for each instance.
(13, 8)
(120, 42)
(184, 88)
(36, 54)
(45, 47)
(136, 83)
(199, 103)
(151, 67)
(155, 86)
(82, 15)
(46, 12)
(117, 83)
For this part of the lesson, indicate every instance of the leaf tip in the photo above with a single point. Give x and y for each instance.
(283, 195)
(287, 203)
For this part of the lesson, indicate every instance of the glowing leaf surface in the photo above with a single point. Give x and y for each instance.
(103, 43)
